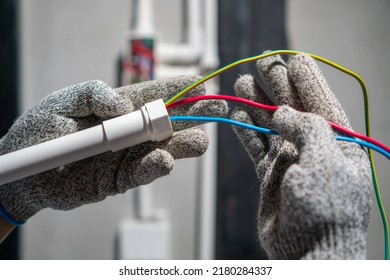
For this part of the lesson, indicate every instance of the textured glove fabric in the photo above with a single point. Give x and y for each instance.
(91, 180)
(315, 192)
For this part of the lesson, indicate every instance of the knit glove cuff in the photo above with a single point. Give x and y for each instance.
(15, 200)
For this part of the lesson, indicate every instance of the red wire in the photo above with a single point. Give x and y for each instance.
(358, 135)
(222, 97)
(273, 109)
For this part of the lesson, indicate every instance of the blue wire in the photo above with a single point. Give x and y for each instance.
(273, 132)
(222, 120)
(365, 144)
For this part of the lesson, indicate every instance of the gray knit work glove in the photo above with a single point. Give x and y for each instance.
(84, 105)
(315, 192)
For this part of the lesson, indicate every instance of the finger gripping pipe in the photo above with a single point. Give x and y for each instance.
(151, 122)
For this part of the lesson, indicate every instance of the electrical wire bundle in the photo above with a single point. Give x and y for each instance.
(351, 136)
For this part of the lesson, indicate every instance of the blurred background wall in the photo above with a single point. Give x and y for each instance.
(66, 42)
(355, 34)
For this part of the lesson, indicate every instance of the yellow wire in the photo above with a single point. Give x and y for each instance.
(366, 115)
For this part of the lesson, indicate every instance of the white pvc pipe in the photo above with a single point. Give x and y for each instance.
(150, 123)
(54, 153)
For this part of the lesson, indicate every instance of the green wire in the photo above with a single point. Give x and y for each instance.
(366, 117)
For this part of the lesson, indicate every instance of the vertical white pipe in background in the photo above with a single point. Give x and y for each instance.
(200, 50)
(143, 202)
(147, 235)
(208, 164)
(210, 59)
(189, 52)
(207, 194)
(144, 26)
(198, 53)
(195, 25)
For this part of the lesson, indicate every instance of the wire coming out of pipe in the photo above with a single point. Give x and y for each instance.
(273, 109)
(368, 142)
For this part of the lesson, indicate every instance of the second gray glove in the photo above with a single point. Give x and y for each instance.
(315, 193)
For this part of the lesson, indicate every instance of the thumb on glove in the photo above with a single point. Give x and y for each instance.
(310, 133)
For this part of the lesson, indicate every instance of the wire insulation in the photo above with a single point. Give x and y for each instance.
(365, 144)
(223, 120)
(222, 97)
(273, 132)
(273, 109)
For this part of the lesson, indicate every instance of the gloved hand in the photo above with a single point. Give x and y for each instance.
(84, 105)
(315, 193)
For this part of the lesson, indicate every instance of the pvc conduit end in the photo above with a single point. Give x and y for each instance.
(150, 123)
